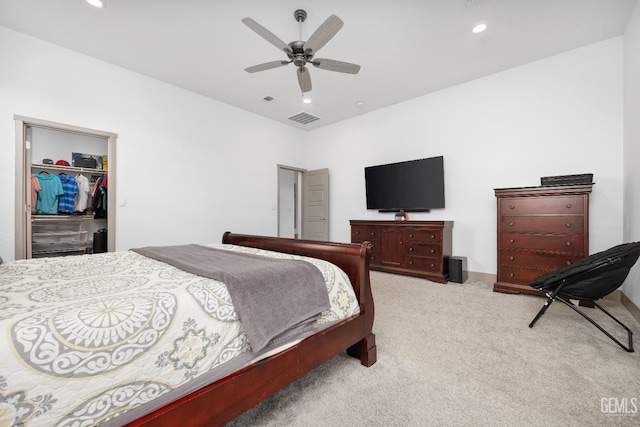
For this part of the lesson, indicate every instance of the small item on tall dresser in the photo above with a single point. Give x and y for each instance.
(585, 178)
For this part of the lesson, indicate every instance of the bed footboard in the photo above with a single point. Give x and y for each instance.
(233, 395)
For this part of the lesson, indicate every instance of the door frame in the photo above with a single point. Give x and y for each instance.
(23, 184)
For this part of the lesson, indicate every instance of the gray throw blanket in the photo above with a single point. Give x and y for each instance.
(270, 295)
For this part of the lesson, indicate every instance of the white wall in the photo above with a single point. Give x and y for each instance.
(185, 174)
(182, 159)
(561, 115)
(632, 146)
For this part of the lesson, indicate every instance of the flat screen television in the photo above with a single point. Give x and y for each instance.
(411, 186)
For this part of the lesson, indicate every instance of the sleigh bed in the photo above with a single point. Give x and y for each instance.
(81, 330)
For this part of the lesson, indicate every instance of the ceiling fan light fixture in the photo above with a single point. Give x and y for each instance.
(97, 3)
(479, 28)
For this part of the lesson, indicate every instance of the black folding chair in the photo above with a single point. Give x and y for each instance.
(588, 280)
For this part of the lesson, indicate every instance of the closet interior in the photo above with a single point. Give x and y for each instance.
(68, 187)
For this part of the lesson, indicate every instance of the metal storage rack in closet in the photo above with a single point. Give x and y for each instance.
(39, 235)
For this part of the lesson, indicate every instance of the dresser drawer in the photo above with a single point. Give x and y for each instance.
(539, 260)
(361, 233)
(423, 236)
(542, 205)
(573, 243)
(543, 224)
(423, 264)
(372, 235)
(519, 276)
(423, 250)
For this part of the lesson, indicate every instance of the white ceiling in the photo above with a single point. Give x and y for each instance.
(407, 48)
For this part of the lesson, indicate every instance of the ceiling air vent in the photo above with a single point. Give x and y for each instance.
(304, 118)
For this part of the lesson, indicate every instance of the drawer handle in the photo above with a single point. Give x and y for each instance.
(511, 258)
(511, 207)
(432, 265)
(373, 245)
(568, 225)
(569, 205)
(373, 233)
(511, 224)
(400, 241)
(411, 235)
(357, 232)
(510, 274)
(433, 236)
(568, 262)
(568, 244)
(511, 241)
(433, 251)
(410, 262)
(410, 249)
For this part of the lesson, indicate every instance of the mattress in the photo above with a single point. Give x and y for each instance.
(105, 338)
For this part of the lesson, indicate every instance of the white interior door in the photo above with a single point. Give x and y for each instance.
(315, 207)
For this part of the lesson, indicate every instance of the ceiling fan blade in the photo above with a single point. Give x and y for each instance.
(333, 65)
(304, 79)
(323, 34)
(266, 34)
(266, 66)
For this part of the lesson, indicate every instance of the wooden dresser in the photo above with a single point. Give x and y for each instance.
(540, 229)
(415, 248)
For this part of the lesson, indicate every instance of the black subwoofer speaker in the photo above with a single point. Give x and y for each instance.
(458, 269)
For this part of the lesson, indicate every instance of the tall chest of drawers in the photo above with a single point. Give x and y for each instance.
(415, 248)
(540, 229)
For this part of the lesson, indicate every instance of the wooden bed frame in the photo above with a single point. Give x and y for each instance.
(227, 398)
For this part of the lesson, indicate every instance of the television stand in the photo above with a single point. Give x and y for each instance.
(413, 248)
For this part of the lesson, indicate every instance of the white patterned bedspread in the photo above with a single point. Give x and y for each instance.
(86, 338)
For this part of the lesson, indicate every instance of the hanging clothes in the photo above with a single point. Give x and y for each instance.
(99, 200)
(84, 191)
(66, 201)
(51, 190)
(35, 189)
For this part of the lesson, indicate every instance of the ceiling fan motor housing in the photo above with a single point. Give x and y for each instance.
(298, 55)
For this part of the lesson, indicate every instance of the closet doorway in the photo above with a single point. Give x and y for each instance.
(289, 202)
(303, 203)
(66, 151)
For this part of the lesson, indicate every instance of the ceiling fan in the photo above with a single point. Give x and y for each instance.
(301, 53)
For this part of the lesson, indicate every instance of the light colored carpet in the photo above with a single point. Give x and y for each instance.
(462, 355)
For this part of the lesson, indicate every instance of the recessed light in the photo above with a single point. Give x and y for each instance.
(360, 104)
(97, 3)
(478, 28)
(306, 100)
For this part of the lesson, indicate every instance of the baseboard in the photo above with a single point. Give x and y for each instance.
(481, 277)
(633, 309)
